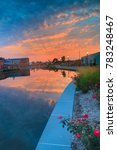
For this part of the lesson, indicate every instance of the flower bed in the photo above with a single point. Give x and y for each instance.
(80, 128)
(85, 123)
(88, 78)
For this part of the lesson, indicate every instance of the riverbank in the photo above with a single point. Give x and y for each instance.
(85, 123)
(54, 136)
(74, 123)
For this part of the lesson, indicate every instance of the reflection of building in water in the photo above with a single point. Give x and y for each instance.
(16, 63)
(2, 60)
(2, 75)
(63, 73)
(14, 74)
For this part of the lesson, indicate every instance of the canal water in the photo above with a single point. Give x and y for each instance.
(27, 98)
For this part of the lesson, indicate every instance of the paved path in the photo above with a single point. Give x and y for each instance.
(55, 137)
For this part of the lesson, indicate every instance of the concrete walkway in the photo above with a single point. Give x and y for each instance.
(55, 137)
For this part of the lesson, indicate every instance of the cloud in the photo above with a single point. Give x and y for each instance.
(47, 38)
(48, 47)
(61, 15)
(45, 29)
(19, 16)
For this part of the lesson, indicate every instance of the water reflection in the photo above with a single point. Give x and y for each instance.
(63, 73)
(26, 104)
(15, 73)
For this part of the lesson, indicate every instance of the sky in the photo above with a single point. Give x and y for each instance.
(47, 29)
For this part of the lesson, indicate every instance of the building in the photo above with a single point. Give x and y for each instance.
(16, 63)
(1, 63)
(22, 62)
(14, 73)
(92, 59)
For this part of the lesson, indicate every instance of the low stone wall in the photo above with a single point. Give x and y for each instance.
(55, 137)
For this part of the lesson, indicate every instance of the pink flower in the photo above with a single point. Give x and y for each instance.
(60, 117)
(79, 119)
(94, 97)
(96, 132)
(83, 119)
(71, 120)
(85, 116)
(77, 136)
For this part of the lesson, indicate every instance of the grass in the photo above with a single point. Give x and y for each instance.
(88, 78)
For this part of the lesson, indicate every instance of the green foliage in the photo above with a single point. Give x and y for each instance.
(55, 60)
(88, 78)
(91, 141)
(63, 58)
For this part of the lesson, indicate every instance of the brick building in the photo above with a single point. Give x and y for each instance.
(1, 63)
(16, 63)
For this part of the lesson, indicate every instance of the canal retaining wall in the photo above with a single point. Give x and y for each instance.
(54, 136)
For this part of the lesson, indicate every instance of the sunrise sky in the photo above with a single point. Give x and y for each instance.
(45, 29)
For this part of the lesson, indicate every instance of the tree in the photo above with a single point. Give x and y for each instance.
(55, 60)
(63, 58)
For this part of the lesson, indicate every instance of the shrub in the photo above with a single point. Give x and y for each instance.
(80, 128)
(88, 78)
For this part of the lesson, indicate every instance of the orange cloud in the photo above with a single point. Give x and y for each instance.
(56, 42)
(87, 28)
(49, 50)
(47, 37)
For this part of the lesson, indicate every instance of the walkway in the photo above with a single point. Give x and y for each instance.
(55, 137)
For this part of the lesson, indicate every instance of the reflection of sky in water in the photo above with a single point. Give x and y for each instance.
(41, 80)
(25, 106)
